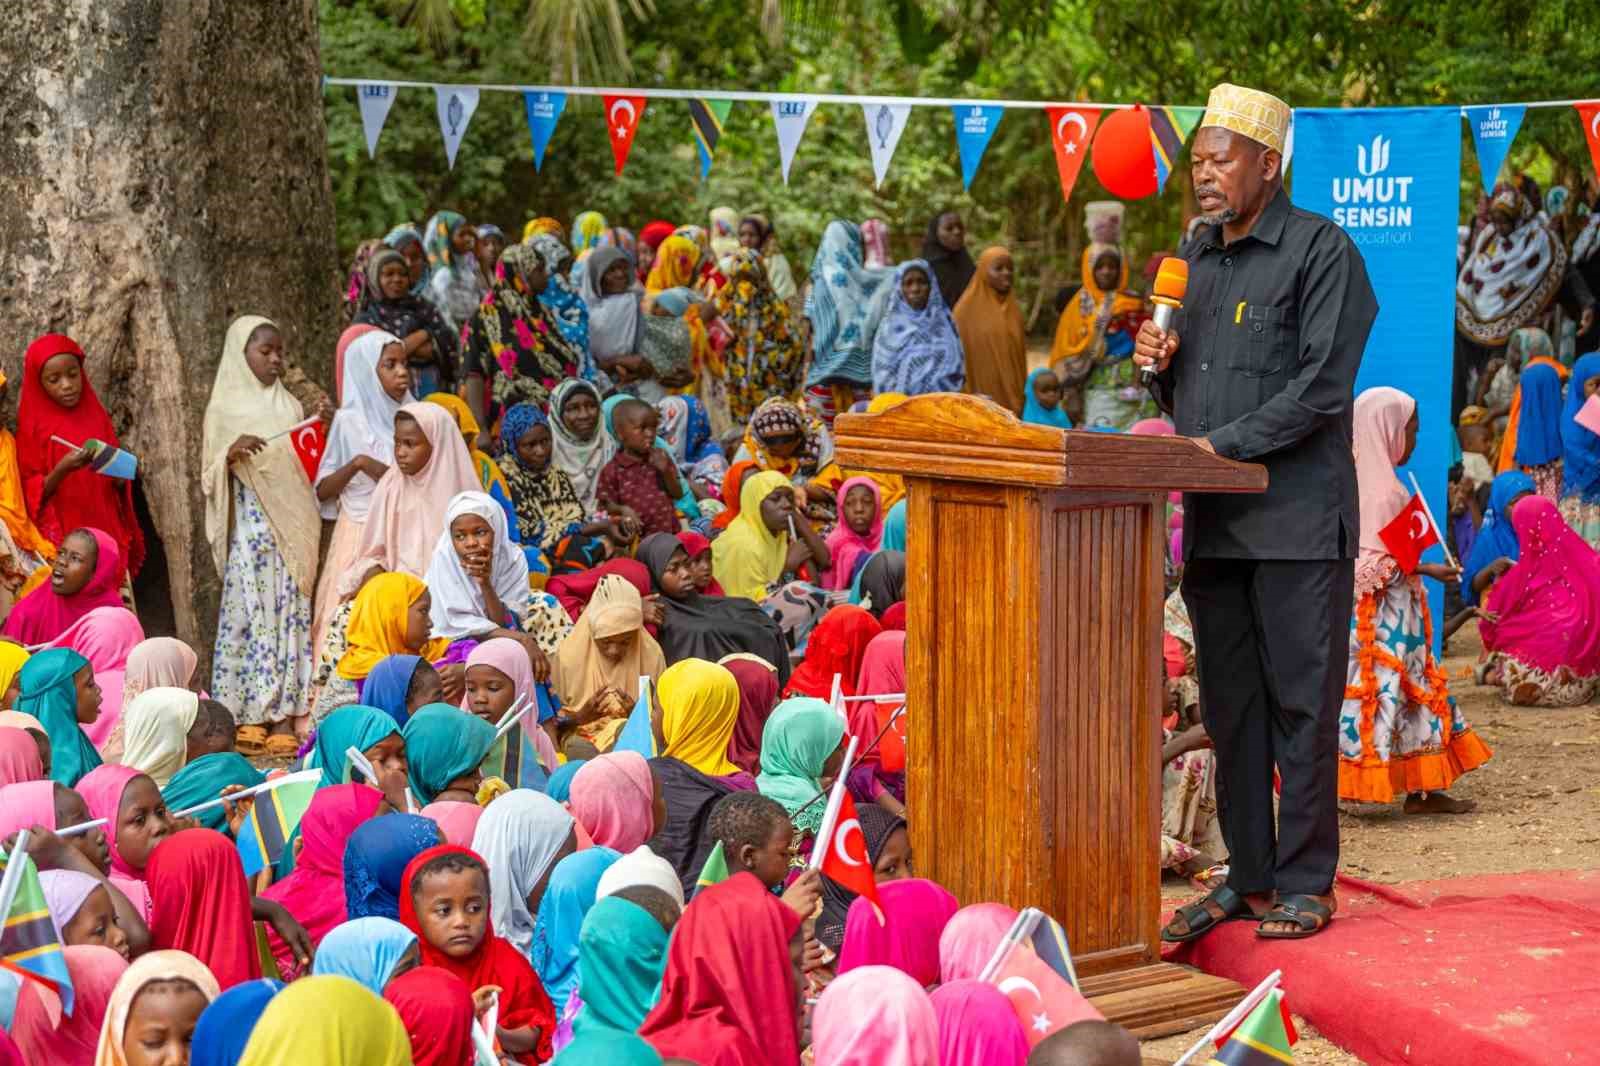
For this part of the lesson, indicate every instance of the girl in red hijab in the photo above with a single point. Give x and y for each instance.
(436, 1008)
(203, 904)
(838, 645)
(650, 239)
(62, 493)
(450, 886)
(729, 993)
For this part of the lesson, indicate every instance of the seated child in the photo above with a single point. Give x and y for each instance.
(1477, 445)
(754, 834)
(444, 899)
(1042, 405)
(641, 480)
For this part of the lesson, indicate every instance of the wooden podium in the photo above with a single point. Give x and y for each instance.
(1034, 676)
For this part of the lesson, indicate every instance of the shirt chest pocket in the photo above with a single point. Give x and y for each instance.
(1271, 336)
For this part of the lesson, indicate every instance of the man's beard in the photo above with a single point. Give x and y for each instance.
(1226, 215)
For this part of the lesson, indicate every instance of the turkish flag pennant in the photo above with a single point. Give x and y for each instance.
(846, 860)
(1045, 1003)
(1409, 535)
(622, 122)
(1589, 113)
(308, 439)
(1070, 129)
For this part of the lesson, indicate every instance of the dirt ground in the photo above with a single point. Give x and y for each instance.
(1536, 806)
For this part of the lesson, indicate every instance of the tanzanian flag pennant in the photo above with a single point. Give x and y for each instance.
(1169, 129)
(29, 943)
(274, 817)
(708, 117)
(1266, 1037)
(715, 871)
(637, 733)
(514, 757)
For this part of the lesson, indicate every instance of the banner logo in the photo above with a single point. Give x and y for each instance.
(789, 118)
(1375, 200)
(455, 107)
(375, 99)
(885, 124)
(1380, 157)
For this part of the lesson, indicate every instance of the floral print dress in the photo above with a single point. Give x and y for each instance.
(263, 658)
(514, 342)
(765, 358)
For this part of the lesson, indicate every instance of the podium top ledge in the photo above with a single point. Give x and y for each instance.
(968, 438)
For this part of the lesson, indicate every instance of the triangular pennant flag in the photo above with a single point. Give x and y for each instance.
(29, 943)
(1169, 129)
(885, 124)
(1266, 1036)
(975, 126)
(1070, 129)
(622, 122)
(708, 117)
(1590, 114)
(375, 98)
(715, 870)
(544, 111)
(790, 117)
(456, 105)
(637, 733)
(1493, 129)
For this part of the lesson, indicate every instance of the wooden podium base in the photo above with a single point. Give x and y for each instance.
(1159, 1000)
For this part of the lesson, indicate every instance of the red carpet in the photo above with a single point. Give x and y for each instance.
(1502, 969)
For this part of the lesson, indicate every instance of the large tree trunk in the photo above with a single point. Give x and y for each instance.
(163, 170)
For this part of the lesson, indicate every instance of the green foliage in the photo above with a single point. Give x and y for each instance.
(1320, 52)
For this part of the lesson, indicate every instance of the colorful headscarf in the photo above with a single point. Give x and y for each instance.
(915, 912)
(43, 1035)
(355, 726)
(778, 416)
(969, 939)
(1546, 604)
(156, 731)
(49, 693)
(442, 744)
(914, 351)
(699, 706)
(748, 556)
(225, 1027)
(622, 952)
(677, 259)
(875, 1016)
(800, 736)
(323, 1021)
(614, 797)
(581, 460)
(515, 332)
(993, 337)
(388, 683)
(399, 239)
(1539, 430)
(1381, 415)
(436, 1007)
(977, 1026)
(147, 968)
(765, 357)
(375, 860)
(847, 301)
(205, 904)
(847, 547)
(586, 231)
(566, 902)
(365, 950)
(363, 425)
(19, 757)
(836, 646)
(458, 608)
(204, 779)
(43, 615)
(541, 225)
(560, 296)
(1580, 474)
(1497, 537)
(758, 695)
(377, 626)
(1035, 412)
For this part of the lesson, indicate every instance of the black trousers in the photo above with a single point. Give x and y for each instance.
(1272, 643)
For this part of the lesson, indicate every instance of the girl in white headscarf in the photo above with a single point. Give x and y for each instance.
(479, 578)
(262, 523)
(521, 836)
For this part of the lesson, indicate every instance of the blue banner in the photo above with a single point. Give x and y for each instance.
(1493, 129)
(1391, 178)
(544, 111)
(975, 125)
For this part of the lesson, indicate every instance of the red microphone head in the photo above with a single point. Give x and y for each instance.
(1172, 280)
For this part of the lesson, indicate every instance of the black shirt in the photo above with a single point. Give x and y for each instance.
(1270, 338)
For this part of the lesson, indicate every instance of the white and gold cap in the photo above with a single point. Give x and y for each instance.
(1252, 113)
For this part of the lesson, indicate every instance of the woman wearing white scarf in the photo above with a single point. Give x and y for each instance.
(460, 599)
(157, 725)
(360, 442)
(521, 836)
(263, 526)
(581, 458)
(614, 316)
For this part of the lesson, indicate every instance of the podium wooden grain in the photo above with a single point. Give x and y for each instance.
(1034, 670)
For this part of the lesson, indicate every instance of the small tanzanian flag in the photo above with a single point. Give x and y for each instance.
(1169, 129)
(708, 117)
(1265, 1037)
(274, 817)
(715, 871)
(29, 943)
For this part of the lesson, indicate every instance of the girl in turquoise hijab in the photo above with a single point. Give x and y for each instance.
(559, 787)
(355, 726)
(204, 779)
(799, 737)
(49, 691)
(372, 951)
(894, 529)
(566, 903)
(1034, 408)
(622, 952)
(443, 745)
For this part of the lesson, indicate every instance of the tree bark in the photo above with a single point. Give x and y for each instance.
(163, 170)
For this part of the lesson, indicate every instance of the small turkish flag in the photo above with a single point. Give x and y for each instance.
(308, 439)
(1045, 1003)
(1070, 128)
(1409, 535)
(845, 859)
(622, 122)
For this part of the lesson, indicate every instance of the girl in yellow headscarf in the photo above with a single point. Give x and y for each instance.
(1099, 325)
(13, 657)
(390, 617)
(699, 707)
(677, 260)
(327, 1021)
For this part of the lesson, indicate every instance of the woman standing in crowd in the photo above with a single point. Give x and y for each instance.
(758, 235)
(992, 333)
(917, 348)
(944, 248)
(847, 301)
(262, 522)
(428, 340)
(764, 358)
(1098, 328)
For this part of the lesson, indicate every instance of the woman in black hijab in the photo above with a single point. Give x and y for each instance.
(883, 581)
(696, 626)
(945, 249)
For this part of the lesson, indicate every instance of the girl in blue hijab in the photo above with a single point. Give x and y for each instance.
(371, 951)
(376, 859)
(1496, 538)
(1580, 475)
(571, 892)
(225, 1025)
(1042, 403)
(388, 687)
(1539, 446)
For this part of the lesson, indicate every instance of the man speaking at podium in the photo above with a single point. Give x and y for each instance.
(1260, 365)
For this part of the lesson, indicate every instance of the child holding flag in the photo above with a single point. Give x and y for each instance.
(1399, 730)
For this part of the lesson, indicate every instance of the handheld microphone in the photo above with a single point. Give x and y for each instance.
(1172, 281)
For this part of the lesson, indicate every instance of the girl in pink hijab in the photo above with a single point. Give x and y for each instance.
(614, 798)
(50, 609)
(874, 1016)
(510, 660)
(977, 1026)
(1540, 619)
(456, 820)
(968, 942)
(48, 1036)
(859, 531)
(1399, 730)
(19, 757)
(130, 838)
(106, 636)
(915, 913)
(880, 774)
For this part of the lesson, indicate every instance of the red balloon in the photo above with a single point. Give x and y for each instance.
(1123, 159)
